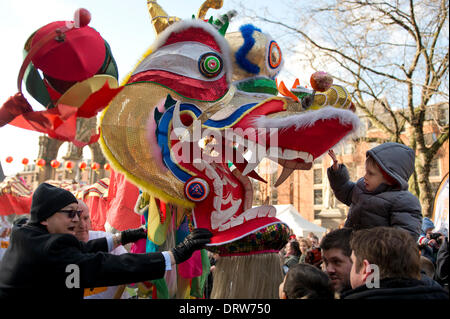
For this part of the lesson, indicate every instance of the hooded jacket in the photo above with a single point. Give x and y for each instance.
(387, 205)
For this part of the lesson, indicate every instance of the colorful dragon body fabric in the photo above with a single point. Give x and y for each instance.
(180, 125)
(197, 115)
(188, 126)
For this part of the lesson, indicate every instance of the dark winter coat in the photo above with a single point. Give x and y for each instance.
(397, 288)
(387, 205)
(36, 265)
(442, 264)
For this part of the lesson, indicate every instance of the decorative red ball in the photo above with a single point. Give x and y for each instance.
(69, 165)
(82, 165)
(82, 17)
(25, 161)
(55, 164)
(9, 159)
(95, 166)
(321, 81)
(40, 162)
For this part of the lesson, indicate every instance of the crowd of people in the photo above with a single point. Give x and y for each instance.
(385, 249)
(375, 263)
(384, 244)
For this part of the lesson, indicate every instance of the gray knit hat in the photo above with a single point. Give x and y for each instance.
(47, 200)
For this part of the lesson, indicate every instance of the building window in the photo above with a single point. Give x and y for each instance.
(274, 196)
(429, 138)
(257, 201)
(273, 190)
(316, 213)
(349, 148)
(318, 197)
(434, 167)
(434, 187)
(443, 115)
(317, 176)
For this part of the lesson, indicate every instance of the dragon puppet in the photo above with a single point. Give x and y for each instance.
(188, 126)
(195, 117)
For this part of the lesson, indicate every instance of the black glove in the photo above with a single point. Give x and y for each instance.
(133, 235)
(194, 241)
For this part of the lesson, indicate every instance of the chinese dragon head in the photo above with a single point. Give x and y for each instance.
(199, 112)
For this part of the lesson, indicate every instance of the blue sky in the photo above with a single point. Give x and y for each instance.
(124, 24)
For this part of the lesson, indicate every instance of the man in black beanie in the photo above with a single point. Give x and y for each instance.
(45, 260)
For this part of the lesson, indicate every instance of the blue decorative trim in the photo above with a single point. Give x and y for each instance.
(249, 42)
(232, 119)
(162, 134)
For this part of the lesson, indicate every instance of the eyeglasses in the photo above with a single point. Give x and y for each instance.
(71, 213)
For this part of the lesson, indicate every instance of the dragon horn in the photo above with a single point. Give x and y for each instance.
(160, 19)
(208, 4)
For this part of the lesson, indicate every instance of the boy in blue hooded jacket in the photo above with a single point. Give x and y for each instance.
(381, 197)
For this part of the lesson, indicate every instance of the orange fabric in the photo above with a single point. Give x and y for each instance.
(285, 92)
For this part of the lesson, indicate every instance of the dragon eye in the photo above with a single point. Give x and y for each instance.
(274, 55)
(210, 64)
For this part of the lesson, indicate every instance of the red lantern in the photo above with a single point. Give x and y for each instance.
(25, 161)
(55, 163)
(69, 166)
(9, 159)
(82, 166)
(95, 166)
(107, 166)
(41, 163)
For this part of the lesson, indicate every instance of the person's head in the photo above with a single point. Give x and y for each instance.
(304, 245)
(336, 259)
(55, 208)
(427, 266)
(305, 281)
(84, 225)
(427, 226)
(314, 240)
(292, 248)
(374, 175)
(392, 250)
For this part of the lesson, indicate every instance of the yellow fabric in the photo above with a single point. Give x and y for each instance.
(156, 231)
(79, 92)
(183, 287)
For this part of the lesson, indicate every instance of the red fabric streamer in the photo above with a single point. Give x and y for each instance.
(11, 204)
(58, 122)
